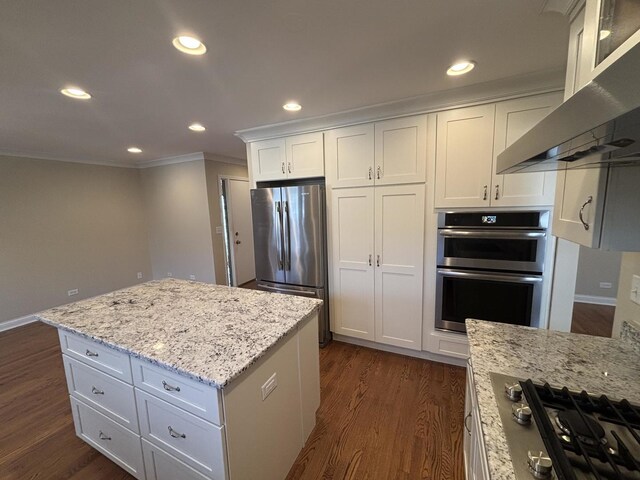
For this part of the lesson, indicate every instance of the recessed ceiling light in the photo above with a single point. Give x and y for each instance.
(196, 127)
(75, 92)
(604, 34)
(461, 68)
(134, 150)
(189, 45)
(292, 107)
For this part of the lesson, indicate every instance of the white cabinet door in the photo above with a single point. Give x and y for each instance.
(399, 242)
(268, 160)
(349, 157)
(401, 150)
(305, 156)
(579, 55)
(464, 154)
(513, 119)
(352, 289)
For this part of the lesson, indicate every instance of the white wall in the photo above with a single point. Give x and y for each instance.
(65, 226)
(625, 308)
(595, 266)
(180, 240)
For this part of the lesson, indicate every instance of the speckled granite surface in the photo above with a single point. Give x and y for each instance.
(631, 335)
(207, 332)
(562, 359)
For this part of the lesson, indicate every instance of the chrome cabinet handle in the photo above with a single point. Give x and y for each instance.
(102, 436)
(170, 388)
(379, 172)
(96, 391)
(289, 167)
(484, 196)
(175, 434)
(497, 192)
(283, 168)
(370, 259)
(585, 224)
(89, 353)
(279, 233)
(378, 260)
(465, 423)
(370, 172)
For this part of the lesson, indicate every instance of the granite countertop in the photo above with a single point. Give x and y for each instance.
(562, 359)
(210, 333)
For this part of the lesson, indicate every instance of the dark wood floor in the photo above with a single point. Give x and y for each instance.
(592, 319)
(382, 416)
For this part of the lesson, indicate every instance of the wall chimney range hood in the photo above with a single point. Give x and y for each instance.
(598, 126)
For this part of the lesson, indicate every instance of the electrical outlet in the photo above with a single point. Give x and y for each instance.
(635, 289)
(606, 285)
(192, 277)
(73, 292)
(169, 274)
(139, 275)
(269, 386)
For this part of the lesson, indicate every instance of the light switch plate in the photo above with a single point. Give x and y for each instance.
(635, 289)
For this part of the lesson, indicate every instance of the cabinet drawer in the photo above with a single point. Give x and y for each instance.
(195, 397)
(98, 356)
(108, 395)
(198, 443)
(113, 440)
(159, 465)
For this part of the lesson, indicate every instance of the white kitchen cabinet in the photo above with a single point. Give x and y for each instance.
(464, 154)
(580, 57)
(352, 247)
(377, 262)
(349, 156)
(298, 156)
(401, 150)
(475, 455)
(399, 247)
(513, 119)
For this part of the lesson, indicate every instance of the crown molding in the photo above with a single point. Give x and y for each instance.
(563, 7)
(44, 156)
(487, 92)
(159, 162)
(213, 157)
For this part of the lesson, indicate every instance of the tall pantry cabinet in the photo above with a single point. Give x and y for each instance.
(376, 174)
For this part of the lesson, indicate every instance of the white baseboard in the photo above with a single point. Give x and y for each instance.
(595, 300)
(434, 357)
(17, 322)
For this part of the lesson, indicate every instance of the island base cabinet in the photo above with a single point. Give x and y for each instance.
(159, 465)
(475, 455)
(112, 440)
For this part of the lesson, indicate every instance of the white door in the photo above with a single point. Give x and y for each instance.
(401, 150)
(464, 155)
(241, 231)
(268, 160)
(305, 155)
(399, 241)
(352, 288)
(349, 157)
(513, 119)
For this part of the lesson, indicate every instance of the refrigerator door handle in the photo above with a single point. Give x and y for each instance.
(286, 241)
(279, 234)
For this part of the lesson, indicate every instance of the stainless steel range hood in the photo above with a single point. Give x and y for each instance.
(596, 127)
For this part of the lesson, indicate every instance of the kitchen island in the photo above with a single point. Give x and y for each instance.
(178, 379)
(580, 362)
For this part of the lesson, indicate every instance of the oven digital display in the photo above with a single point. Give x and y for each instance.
(489, 219)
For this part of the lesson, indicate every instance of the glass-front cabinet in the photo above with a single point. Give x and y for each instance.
(619, 20)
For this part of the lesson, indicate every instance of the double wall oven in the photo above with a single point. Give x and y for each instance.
(490, 267)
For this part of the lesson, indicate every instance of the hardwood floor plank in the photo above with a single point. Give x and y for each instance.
(592, 319)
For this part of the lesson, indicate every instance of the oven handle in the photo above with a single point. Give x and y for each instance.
(490, 276)
(508, 235)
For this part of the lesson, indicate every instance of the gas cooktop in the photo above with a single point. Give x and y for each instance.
(557, 433)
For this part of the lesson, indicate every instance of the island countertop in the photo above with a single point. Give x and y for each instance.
(562, 359)
(210, 333)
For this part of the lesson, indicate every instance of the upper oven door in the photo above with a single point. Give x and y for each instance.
(512, 250)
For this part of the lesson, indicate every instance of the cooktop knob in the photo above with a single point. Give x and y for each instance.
(540, 464)
(521, 413)
(513, 391)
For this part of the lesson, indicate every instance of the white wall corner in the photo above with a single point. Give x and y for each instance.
(17, 322)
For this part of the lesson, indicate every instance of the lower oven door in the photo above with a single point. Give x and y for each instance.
(497, 297)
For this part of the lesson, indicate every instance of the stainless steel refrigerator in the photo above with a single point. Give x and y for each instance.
(289, 231)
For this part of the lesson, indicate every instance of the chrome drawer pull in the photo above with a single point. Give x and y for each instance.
(175, 434)
(465, 423)
(585, 224)
(103, 436)
(89, 353)
(95, 391)
(170, 388)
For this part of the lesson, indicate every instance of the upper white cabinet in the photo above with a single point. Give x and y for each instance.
(513, 119)
(298, 156)
(468, 142)
(464, 154)
(391, 152)
(579, 57)
(377, 246)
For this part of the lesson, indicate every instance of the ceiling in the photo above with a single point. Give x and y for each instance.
(330, 55)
